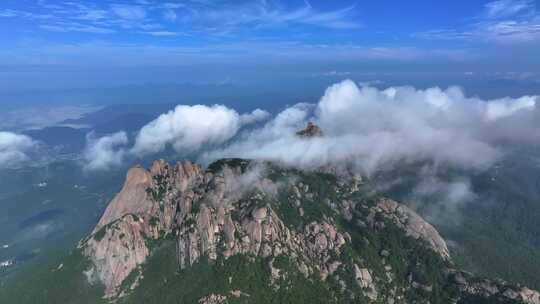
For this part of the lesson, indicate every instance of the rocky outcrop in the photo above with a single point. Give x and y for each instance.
(249, 228)
(272, 214)
(311, 130)
(143, 210)
(132, 199)
(365, 281)
(414, 225)
(213, 299)
(116, 250)
(498, 291)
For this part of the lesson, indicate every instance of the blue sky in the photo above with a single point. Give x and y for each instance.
(46, 43)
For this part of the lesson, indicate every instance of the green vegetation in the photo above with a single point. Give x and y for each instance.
(63, 283)
(322, 189)
(218, 165)
(158, 192)
(394, 259)
(100, 234)
(154, 221)
(163, 283)
(497, 233)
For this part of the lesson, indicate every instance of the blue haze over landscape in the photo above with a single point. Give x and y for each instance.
(445, 93)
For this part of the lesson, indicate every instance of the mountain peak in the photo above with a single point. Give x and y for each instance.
(293, 229)
(311, 130)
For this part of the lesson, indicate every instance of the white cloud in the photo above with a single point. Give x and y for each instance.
(106, 152)
(14, 148)
(503, 21)
(334, 74)
(507, 106)
(170, 15)
(371, 128)
(507, 8)
(162, 33)
(93, 14)
(364, 127)
(187, 129)
(129, 12)
(192, 17)
(264, 14)
(8, 13)
(76, 27)
(257, 115)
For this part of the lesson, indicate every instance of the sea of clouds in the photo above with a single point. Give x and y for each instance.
(364, 127)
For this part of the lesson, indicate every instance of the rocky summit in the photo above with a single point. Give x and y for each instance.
(311, 130)
(242, 231)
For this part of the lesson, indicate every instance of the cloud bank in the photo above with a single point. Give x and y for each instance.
(444, 136)
(14, 149)
(364, 128)
(371, 128)
(187, 129)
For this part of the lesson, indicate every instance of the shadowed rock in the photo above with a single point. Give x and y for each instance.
(311, 130)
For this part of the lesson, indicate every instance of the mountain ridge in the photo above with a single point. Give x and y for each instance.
(209, 216)
(248, 231)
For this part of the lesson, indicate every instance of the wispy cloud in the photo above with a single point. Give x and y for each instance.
(170, 15)
(162, 33)
(11, 13)
(508, 8)
(191, 17)
(8, 13)
(93, 14)
(503, 21)
(129, 12)
(262, 14)
(76, 27)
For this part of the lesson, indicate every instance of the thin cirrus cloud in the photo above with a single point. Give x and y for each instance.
(129, 12)
(502, 21)
(508, 8)
(188, 17)
(76, 27)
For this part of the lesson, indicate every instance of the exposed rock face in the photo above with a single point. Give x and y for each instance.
(258, 231)
(213, 299)
(311, 130)
(118, 252)
(144, 209)
(496, 290)
(132, 199)
(413, 225)
(365, 281)
(236, 208)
